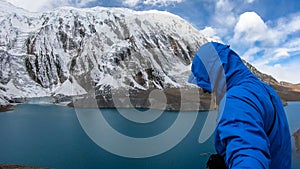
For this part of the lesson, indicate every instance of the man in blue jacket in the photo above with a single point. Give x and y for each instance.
(252, 130)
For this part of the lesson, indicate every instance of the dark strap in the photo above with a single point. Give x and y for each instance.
(216, 161)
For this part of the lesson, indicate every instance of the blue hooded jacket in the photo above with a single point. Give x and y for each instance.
(252, 130)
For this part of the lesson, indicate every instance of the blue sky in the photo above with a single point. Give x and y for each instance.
(266, 33)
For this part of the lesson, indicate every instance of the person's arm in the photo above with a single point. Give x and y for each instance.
(241, 135)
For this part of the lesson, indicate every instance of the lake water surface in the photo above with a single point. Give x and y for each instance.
(51, 136)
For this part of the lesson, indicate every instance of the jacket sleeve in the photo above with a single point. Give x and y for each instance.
(240, 136)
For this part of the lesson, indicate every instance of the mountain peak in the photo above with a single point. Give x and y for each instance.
(109, 47)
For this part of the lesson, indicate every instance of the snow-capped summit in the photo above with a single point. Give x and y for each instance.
(41, 53)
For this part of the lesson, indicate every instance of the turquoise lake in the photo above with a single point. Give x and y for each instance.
(51, 136)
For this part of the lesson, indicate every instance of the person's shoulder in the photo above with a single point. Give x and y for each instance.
(249, 85)
(251, 92)
(244, 89)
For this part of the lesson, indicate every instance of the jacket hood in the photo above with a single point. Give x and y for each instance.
(217, 68)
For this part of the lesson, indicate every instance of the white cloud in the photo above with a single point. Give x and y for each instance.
(36, 6)
(79, 3)
(250, 54)
(161, 2)
(224, 15)
(265, 44)
(131, 3)
(224, 5)
(289, 24)
(250, 1)
(211, 34)
(251, 28)
(281, 53)
(288, 72)
(293, 43)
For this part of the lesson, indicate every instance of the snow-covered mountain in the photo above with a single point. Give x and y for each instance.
(57, 52)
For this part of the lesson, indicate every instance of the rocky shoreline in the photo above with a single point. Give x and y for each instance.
(172, 99)
(297, 140)
(5, 108)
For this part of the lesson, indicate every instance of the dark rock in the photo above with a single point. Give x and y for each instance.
(297, 140)
(4, 108)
